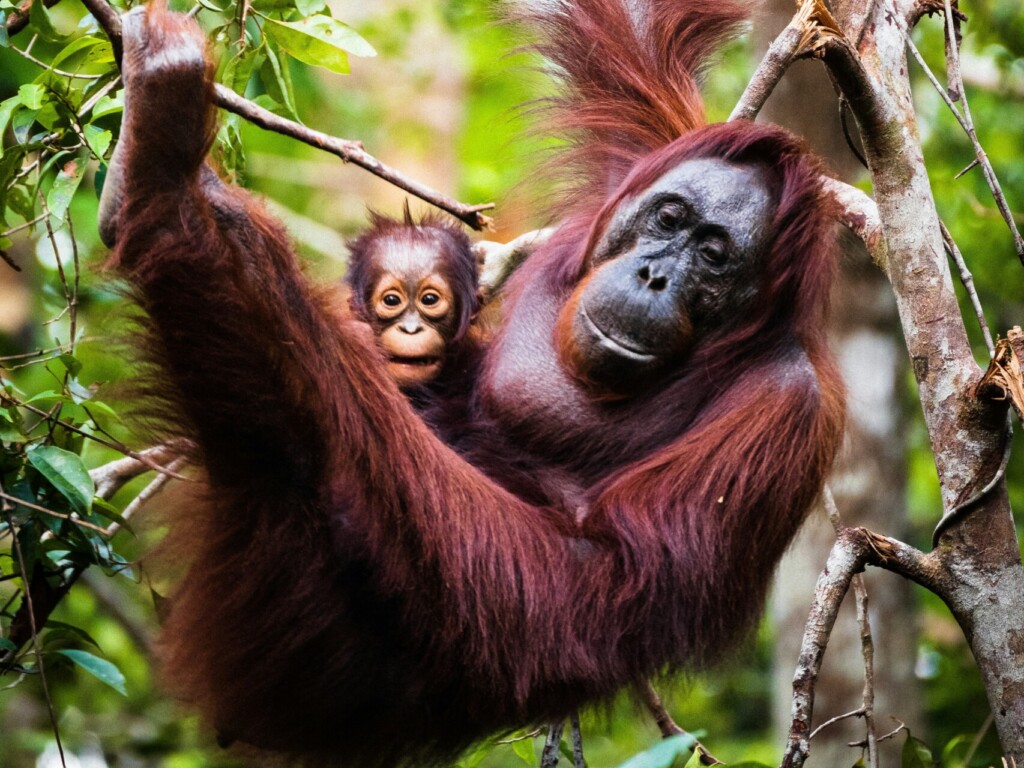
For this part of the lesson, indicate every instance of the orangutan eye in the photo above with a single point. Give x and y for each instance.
(713, 251)
(429, 299)
(671, 216)
(391, 299)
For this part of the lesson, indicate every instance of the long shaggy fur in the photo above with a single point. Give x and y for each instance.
(360, 593)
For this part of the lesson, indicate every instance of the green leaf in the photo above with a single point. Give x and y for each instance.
(524, 750)
(85, 53)
(109, 105)
(41, 23)
(7, 107)
(99, 668)
(98, 140)
(662, 754)
(72, 630)
(105, 509)
(214, 7)
(43, 396)
(66, 473)
(474, 758)
(236, 72)
(7, 645)
(18, 200)
(8, 432)
(309, 7)
(276, 80)
(59, 197)
(319, 40)
(31, 94)
(71, 363)
(956, 750)
(99, 407)
(4, 40)
(22, 122)
(916, 754)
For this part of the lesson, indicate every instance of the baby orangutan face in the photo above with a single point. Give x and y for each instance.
(413, 313)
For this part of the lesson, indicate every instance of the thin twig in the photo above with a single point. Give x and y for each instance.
(976, 741)
(669, 727)
(113, 476)
(891, 734)
(26, 225)
(146, 494)
(662, 718)
(63, 73)
(549, 755)
(93, 100)
(859, 712)
(853, 549)
(6, 508)
(70, 296)
(349, 151)
(577, 741)
(964, 119)
(867, 644)
(71, 518)
(781, 53)
(953, 49)
(967, 279)
(961, 510)
(117, 445)
(10, 262)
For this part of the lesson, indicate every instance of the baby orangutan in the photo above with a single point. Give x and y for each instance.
(416, 284)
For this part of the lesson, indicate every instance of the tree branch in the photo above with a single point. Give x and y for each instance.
(348, 151)
(854, 548)
(983, 581)
(860, 215)
(803, 36)
(18, 19)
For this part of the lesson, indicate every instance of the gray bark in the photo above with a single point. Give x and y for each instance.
(869, 481)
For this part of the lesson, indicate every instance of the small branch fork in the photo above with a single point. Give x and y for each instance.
(854, 548)
(349, 151)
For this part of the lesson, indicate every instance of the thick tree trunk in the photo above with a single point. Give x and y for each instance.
(869, 480)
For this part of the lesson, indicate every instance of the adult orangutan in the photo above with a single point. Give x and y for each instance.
(358, 591)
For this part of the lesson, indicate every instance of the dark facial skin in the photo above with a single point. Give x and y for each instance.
(413, 311)
(675, 263)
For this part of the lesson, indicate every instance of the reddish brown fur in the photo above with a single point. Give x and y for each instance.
(360, 594)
